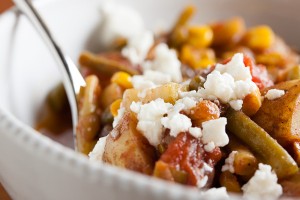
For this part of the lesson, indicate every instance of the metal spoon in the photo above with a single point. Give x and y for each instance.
(72, 79)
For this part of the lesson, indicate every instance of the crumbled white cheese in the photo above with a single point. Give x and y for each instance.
(201, 183)
(135, 107)
(207, 168)
(202, 178)
(236, 68)
(236, 104)
(274, 94)
(150, 79)
(191, 94)
(114, 24)
(219, 86)
(215, 193)
(229, 82)
(120, 115)
(188, 103)
(177, 123)
(195, 132)
(98, 150)
(263, 185)
(214, 131)
(229, 162)
(165, 61)
(209, 147)
(149, 119)
(137, 47)
(243, 88)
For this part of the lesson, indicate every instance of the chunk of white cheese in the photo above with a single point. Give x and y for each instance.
(138, 47)
(236, 104)
(114, 24)
(120, 115)
(214, 131)
(236, 68)
(274, 94)
(177, 123)
(98, 150)
(209, 147)
(165, 61)
(263, 185)
(218, 86)
(229, 162)
(188, 103)
(195, 132)
(149, 119)
(150, 79)
(215, 193)
(229, 83)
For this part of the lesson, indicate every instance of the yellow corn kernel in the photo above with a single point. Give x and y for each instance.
(114, 107)
(200, 36)
(123, 79)
(205, 62)
(294, 73)
(274, 58)
(260, 37)
(197, 58)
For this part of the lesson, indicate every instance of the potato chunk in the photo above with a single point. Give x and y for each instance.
(129, 149)
(281, 117)
(168, 92)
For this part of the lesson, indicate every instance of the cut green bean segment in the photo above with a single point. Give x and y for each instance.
(261, 143)
(104, 65)
(57, 98)
(196, 83)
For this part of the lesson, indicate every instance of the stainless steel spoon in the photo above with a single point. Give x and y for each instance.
(72, 79)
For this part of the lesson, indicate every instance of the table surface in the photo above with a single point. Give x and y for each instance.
(4, 5)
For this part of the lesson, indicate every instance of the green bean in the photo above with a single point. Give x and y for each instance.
(196, 83)
(57, 98)
(107, 117)
(179, 32)
(104, 65)
(261, 143)
(89, 115)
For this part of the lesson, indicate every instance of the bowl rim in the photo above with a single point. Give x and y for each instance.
(81, 166)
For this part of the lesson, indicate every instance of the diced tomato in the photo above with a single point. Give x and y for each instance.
(260, 77)
(186, 153)
(259, 73)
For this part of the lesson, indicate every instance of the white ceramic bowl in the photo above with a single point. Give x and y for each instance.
(34, 167)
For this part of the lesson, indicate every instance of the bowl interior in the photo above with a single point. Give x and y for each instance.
(28, 71)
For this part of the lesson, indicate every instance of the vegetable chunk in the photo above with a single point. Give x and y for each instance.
(281, 117)
(261, 143)
(129, 149)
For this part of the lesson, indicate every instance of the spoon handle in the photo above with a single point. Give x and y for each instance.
(72, 79)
